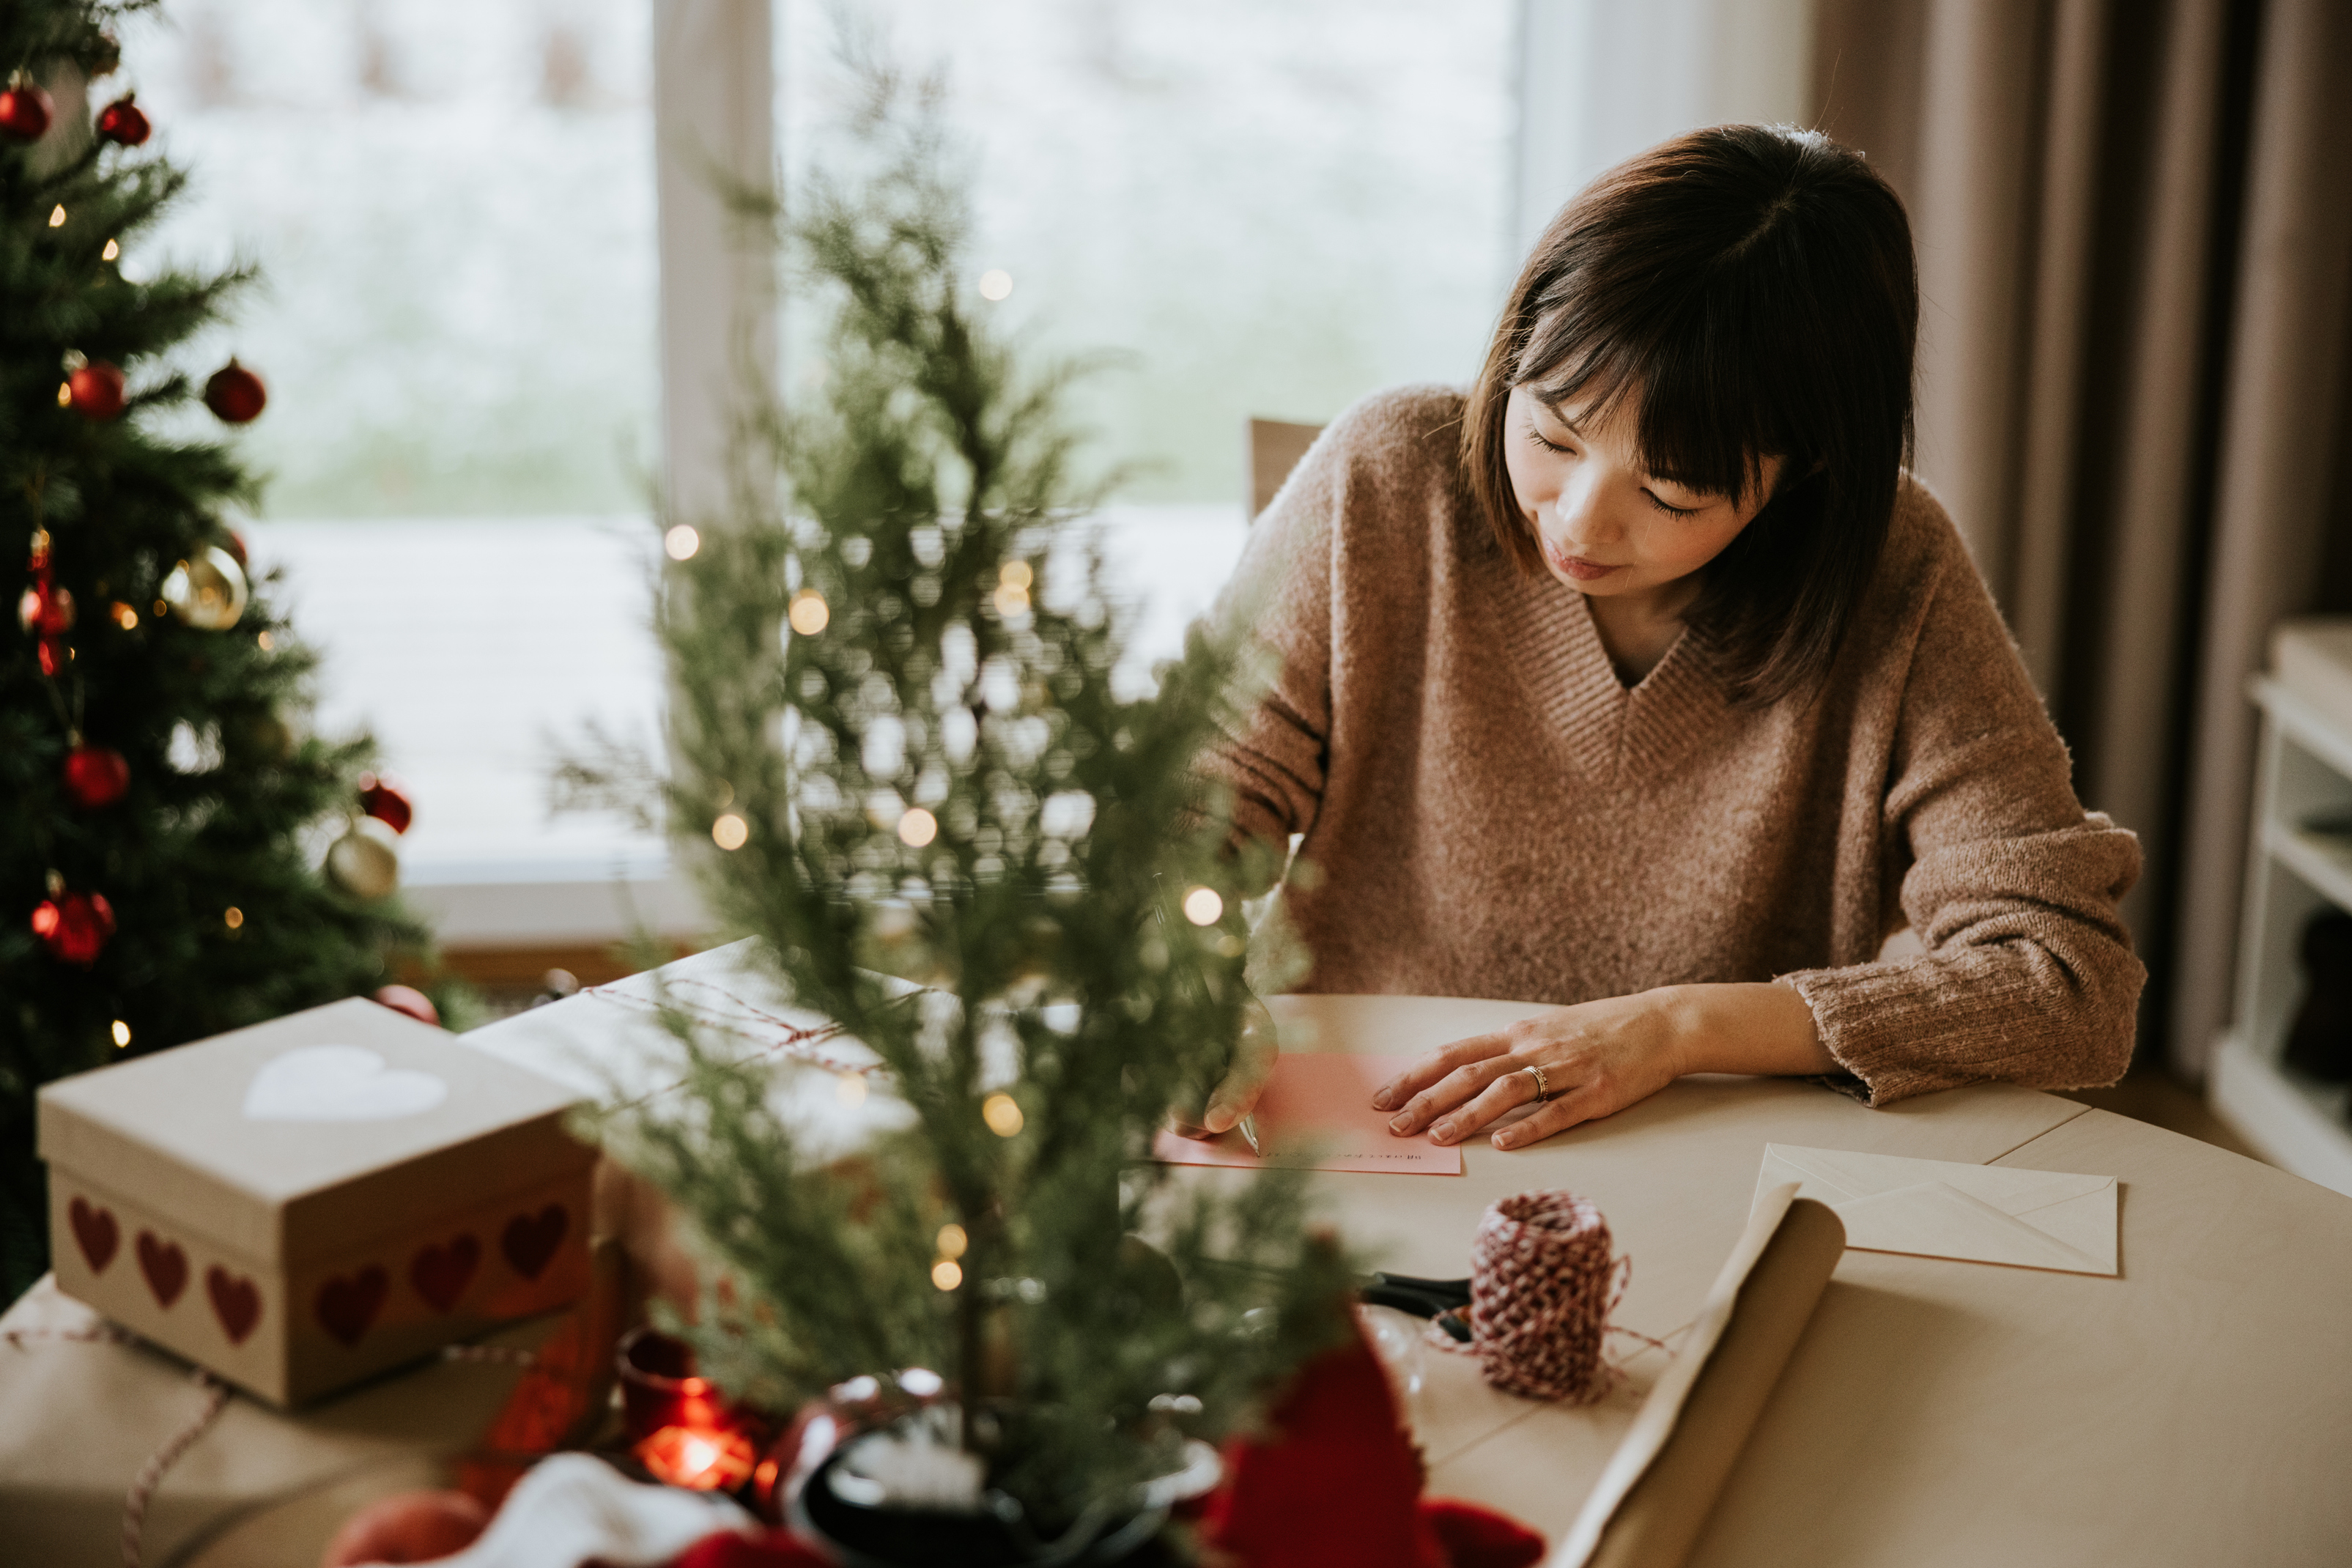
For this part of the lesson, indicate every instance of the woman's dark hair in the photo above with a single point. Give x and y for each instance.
(1753, 288)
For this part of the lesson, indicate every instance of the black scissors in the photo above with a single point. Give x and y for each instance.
(1442, 1300)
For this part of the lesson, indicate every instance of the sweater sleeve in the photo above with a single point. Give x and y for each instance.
(1272, 757)
(2027, 974)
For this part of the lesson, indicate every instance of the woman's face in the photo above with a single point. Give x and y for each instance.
(1608, 528)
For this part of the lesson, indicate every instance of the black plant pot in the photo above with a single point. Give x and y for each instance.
(870, 1537)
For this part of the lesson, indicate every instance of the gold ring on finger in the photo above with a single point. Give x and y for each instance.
(1543, 1090)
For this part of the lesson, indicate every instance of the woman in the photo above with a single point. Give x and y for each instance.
(1641, 680)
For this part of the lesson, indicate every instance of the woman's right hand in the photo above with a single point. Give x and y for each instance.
(1237, 1094)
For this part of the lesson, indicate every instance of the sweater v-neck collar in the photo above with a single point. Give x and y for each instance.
(1613, 733)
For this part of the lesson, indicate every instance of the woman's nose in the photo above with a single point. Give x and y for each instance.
(1583, 512)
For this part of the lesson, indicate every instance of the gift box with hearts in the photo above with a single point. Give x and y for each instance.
(299, 1205)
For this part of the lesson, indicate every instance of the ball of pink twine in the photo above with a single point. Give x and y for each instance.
(1542, 1285)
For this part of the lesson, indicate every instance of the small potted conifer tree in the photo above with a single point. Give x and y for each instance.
(895, 701)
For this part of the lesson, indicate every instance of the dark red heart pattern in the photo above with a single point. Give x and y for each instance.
(348, 1304)
(441, 1273)
(95, 1230)
(235, 1302)
(165, 1266)
(530, 1240)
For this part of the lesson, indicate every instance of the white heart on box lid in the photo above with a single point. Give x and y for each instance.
(339, 1083)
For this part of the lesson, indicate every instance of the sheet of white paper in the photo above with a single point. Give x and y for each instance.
(1939, 1208)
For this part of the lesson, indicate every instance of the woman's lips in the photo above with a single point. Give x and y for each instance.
(1576, 566)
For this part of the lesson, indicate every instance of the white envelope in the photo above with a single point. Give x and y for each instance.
(1980, 1214)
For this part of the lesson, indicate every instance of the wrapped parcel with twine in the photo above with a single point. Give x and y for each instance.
(1542, 1285)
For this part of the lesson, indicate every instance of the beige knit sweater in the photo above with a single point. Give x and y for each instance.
(1491, 813)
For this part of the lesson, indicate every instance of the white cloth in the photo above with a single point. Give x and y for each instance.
(570, 1509)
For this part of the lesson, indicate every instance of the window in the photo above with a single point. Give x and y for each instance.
(452, 206)
(1264, 210)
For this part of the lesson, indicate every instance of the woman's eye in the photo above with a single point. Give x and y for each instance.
(1672, 510)
(1548, 445)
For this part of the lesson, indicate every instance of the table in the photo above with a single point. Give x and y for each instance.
(2195, 1410)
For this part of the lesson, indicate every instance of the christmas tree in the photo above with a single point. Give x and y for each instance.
(897, 718)
(162, 816)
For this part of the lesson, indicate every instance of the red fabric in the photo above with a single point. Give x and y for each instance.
(1476, 1537)
(1338, 1483)
(777, 1548)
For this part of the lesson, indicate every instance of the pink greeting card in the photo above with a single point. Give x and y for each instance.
(1316, 1114)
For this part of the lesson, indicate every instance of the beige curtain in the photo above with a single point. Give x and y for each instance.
(2135, 228)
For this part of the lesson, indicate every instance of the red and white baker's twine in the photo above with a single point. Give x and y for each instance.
(1542, 1285)
(150, 1478)
(151, 1474)
(799, 1042)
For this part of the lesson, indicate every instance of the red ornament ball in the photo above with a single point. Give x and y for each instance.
(408, 999)
(26, 113)
(122, 122)
(96, 776)
(95, 391)
(46, 610)
(235, 394)
(74, 926)
(387, 802)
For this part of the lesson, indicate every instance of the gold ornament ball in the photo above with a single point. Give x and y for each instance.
(261, 736)
(208, 590)
(362, 866)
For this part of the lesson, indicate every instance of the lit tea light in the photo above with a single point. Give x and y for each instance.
(121, 1034)
(1203, 906)
(730, 832)
(917, 827)
(952, 1241)
(681, 541)
(58, 220)
(947, 1274)
(233, 916)
(809, 613)
(110, 252)
(698, 1460)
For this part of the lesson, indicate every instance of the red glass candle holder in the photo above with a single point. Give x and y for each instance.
(659, 1389)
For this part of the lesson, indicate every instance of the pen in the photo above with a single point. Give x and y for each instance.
(1248, 1126)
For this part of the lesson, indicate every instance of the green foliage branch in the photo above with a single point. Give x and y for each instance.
(946, 785)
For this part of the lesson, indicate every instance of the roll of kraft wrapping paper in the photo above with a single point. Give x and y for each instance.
(1654, 1497)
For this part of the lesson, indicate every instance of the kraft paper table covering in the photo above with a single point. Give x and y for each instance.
(1673, 1176)
(78, 1418)
(1936, 1208)
(2195, 1410)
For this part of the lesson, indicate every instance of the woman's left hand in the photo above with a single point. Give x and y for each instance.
(1599, 1057)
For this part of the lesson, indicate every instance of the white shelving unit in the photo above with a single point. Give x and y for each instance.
(2303, 775)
